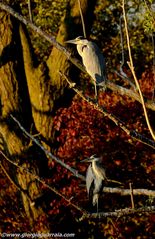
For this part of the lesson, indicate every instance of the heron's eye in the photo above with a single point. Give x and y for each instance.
(83, 47)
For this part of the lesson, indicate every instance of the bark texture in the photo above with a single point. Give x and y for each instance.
(14, 100)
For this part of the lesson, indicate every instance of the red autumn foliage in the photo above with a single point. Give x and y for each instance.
(82, 131)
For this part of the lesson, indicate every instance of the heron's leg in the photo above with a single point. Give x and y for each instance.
(97, 205)
(97, 201)
(95, 90)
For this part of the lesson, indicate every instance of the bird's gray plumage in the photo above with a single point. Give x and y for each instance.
(95, 179)
(93, 60)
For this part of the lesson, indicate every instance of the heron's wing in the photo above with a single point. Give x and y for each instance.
(97, 191)
(94, 62)
(98, 186)
(101, 171)
(90, 181)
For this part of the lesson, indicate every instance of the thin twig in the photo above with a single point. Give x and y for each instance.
(122, 73)
(131, 195)
(18, 187)
(153, 48)
(30, 10)
(131, 66)
(82, 20)
(122, 48)
(8, 176)
(125, 78)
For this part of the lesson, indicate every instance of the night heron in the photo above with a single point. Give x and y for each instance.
(95, 179)
(93, 60)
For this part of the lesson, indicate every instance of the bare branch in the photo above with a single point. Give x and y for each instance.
(82, 20)
(30, 10)
(18, 187)
(8, 176)
(130, 93)
(120, 213)
(131, 196)
(153, 48)
(125, 192)
(122, 73)
(49, 154)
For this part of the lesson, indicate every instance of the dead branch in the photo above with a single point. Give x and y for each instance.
(82, 19)
(130, 93)
(126, 192)
(120, 213)
(30, 10)
(49, 154)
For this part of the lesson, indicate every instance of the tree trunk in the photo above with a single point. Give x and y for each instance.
(14, 95)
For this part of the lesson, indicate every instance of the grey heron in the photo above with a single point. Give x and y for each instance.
(95, 179)
(93, 60)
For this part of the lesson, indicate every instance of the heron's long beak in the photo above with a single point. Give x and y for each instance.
(71, 41)
(87, 160)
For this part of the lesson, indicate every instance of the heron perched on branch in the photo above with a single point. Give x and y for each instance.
(93, 60)
(95, 179)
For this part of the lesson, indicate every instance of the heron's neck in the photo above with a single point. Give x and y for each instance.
(98, 170)
(80, 50)
(95, 169)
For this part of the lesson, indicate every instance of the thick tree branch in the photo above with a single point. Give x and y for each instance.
(120, 213)
(130, 93)
(125, 192)
(49, 154)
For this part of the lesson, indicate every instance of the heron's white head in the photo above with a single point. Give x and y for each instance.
(78, 41)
